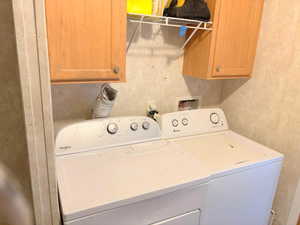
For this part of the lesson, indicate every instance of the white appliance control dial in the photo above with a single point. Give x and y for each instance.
(185, 122)
(146, 125)
(134, 126)
(175, 123)
(214, 118)
(112, 128)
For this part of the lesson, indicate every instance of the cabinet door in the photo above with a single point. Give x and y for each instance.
(236, 40)
(86, 40)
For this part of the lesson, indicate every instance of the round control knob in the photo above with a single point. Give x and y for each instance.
(214, 118)
(134, 126)
(112, 128)
(185, 122)
(146, 125)
(175, 123)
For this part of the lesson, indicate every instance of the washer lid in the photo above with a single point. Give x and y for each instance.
(227, 152)
(93, 182)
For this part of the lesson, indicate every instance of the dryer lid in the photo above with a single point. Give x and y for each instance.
(227, 152)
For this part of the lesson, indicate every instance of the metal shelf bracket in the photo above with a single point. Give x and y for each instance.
(167, 21)
(138, 26)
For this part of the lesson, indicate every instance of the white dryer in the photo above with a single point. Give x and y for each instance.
(243, 173)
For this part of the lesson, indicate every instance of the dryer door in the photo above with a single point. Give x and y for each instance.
(191, 218)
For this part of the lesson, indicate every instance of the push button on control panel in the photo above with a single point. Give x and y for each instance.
(112, 128)
(175, 123)
(185, 122)
(146, 125)
(134, 126)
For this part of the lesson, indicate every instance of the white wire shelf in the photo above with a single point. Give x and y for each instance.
(167, 21)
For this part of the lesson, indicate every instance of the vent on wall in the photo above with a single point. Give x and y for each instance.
(187, 103)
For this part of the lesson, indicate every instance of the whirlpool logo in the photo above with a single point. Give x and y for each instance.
(65, 147)
(176, 130)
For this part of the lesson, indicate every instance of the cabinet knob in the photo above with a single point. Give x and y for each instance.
(218, 69)
(116, 69)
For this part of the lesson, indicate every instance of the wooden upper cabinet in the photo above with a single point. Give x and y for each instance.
(86, 40)
(229, 50)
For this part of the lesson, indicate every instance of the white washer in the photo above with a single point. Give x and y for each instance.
(128, 176)
(120, 171)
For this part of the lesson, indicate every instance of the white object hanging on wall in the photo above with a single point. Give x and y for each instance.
(104, 102)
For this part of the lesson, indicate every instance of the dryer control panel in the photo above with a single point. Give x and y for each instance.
(192, 122)
(104, 133)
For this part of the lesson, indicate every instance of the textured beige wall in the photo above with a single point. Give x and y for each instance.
(13, 149)
(267, 107)
(154, 66)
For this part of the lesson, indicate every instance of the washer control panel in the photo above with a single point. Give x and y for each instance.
(185, 123)
(104, 133)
